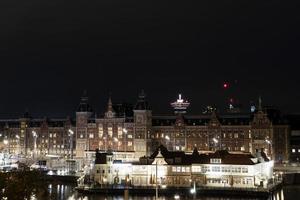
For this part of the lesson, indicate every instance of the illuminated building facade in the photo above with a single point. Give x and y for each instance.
(178, 169)
(36, 137)
(134, 131)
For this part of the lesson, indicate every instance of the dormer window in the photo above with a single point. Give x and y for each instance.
(215, 161)
(177, 160)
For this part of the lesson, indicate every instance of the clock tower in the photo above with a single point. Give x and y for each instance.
(142, 126)
(83, 113)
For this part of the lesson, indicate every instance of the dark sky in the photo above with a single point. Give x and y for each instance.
(50, 51)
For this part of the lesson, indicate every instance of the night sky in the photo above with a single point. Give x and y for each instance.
(50, 51)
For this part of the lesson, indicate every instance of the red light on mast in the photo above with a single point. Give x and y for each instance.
(225, 85)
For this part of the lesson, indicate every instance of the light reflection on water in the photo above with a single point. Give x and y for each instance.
(67, 192)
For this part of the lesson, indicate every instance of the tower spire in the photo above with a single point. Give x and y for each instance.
(259, 104)
(109, 105)
(110, 111)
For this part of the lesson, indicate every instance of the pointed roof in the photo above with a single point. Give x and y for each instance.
(259, 104)
(110, 111)
(84, 104)
(110, 105)
(142, 103)
(214, 121)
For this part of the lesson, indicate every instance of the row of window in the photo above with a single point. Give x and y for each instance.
(180, 169)
(294, 150)
(129, 143)
(205, 169)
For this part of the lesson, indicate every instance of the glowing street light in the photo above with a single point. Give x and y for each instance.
(193, 190)
(269, 144)
(167, 138)
(34, 135)
(215, 140)
(116, 140)
(5, 142)
(71, 133)
(125, 131)
(18, 142)
(268, 141)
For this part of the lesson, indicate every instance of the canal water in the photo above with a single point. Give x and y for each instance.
(67, 192)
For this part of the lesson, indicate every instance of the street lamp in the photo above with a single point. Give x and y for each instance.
(216, 141)
(18, 143)
(34, 135)
(269, 146)
(71, 133)
(125, 131)
(167, 140)
(5, 141)
(193, 190)
(117, 142)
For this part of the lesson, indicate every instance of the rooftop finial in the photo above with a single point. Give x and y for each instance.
(259, 103)
(109, 106)
(142, 94)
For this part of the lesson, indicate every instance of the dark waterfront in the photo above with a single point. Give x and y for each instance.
(67, 192)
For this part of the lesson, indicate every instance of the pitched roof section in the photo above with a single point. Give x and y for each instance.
(84, 104)
(142, 103)
(180, 158)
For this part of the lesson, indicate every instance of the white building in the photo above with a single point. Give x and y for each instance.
(177, 169)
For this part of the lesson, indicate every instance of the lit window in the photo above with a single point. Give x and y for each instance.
(91, 135)
(178, 169)
(244, 170)
(81, 136)
(129, 136)
(215, 160)
(129, 144)
(50, 135)
(215, 169)
(196, 169)
(100, 130)
(298, 150)
(110, 131)
(54, 141)
(54, 135)
(187, 169)
(120, 132)
(236, 135)
(173, 169)
(293, 150)
(183, 169)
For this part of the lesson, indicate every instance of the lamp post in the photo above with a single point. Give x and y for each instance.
(216, 141)
(6, 143)
(117, 142)
(105, 143)
(156, 179)
(125, 131)
(269, 147)
(34, 135)
(71, 133)
(167, 140)
(193, 190)
(18, 143)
